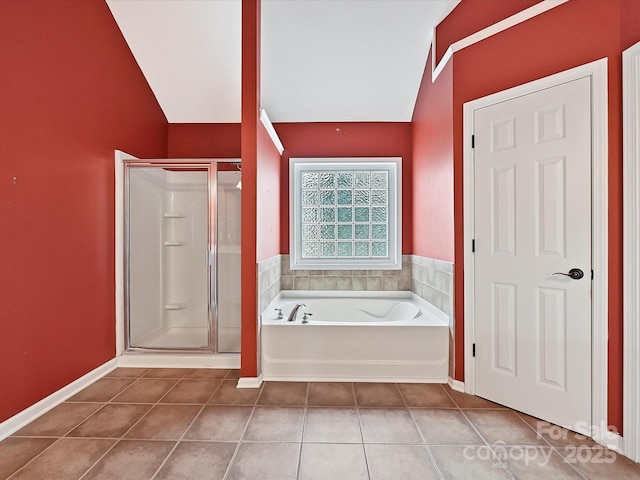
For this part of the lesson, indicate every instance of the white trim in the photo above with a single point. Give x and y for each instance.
(631, 249)
(456, 385)
(485, 33)
(249, 382)
(120, 157)
(179, 360)
(271, 130)
(598, 72)
(613, 441)
(36, 410)
(393, 260)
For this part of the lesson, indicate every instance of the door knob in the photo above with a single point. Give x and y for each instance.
(574, 273)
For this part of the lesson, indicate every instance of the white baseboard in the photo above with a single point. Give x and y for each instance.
(612, 441)
(36, 410)
(456, 385)
(249, 382)
(167, 360)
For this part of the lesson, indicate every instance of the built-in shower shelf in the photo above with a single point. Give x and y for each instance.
(175, 306)
(174, 243)
(174, 215)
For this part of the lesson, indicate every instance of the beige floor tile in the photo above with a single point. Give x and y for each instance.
(127, 372)
(103, 390)
(323, 461)
(381, 425)
(146, 390)
(425, 395)
(503, 427)
(111, 421)
(599, 463)
(68, 458)
(262, 461)
(197, 461)
(406, 462)
(164, 422)
(228, 394)
(337, 394)
(378, 395)
(283, 393)
(464, 400)
(219, 423)
(16, 452)
(332, 425)
(468, 463)
(207, 373)
(555, 435)
(60, 420)
(275, 424)
(196, 391)
(167, 373)
(536, 463)
(131, 460)
(445, 427)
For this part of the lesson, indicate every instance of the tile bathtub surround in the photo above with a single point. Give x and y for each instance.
(287, 430)
(269, 280)
(347, 280)
(432, 280)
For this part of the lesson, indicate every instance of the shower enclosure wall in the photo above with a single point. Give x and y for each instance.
(182, 237)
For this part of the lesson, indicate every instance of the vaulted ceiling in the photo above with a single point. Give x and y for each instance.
(322, 60)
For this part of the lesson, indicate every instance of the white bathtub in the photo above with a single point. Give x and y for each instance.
(355, 336)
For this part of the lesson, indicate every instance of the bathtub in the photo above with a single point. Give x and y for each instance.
(355, 336)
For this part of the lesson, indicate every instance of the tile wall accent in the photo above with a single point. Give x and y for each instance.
(374, 280)
(432, 280)
(269, 281)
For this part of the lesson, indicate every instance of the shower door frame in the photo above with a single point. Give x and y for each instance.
(211, 165)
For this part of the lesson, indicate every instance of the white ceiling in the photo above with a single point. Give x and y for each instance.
(322, 60)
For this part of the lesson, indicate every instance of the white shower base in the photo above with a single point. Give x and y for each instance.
(179, 360)
(176, 337)
(192, 337)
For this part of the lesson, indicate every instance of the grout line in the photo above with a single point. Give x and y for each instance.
(117, 440)
(424, 440)
(357, 409)
(240, 441)
(33, 459)
(304, 427)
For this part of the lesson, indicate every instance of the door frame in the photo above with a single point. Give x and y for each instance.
(597, 70)
(631, 249)
(122, 158)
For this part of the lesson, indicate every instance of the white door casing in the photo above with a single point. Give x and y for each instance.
(631, 204)
(597, 72)
(533, 219)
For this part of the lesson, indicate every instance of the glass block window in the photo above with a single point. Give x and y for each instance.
(346, 213)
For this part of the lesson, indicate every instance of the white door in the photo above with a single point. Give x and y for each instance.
(532, 162)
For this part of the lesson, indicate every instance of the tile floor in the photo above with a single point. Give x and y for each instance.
(194, 424)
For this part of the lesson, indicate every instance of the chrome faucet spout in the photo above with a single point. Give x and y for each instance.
(294, 312)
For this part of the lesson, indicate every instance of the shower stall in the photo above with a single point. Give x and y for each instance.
(182, 256)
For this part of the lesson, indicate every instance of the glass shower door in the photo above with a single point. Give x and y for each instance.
(168, 257)
(229, 190)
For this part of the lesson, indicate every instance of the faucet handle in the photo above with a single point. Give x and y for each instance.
(280, 316)
(305, 317)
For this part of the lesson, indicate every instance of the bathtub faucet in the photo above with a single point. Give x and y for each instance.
(292, 315)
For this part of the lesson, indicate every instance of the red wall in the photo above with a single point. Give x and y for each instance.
(249, 154)
(433, 226)
(351, 139)
(268, 197)
(204, 140)
(567, 36)
(471, 16)
(71, 93)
